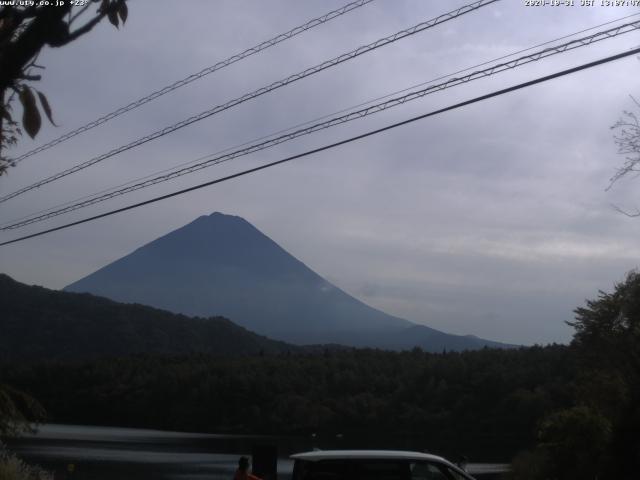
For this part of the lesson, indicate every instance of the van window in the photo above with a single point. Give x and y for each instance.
(427, 471)
(352, 469)
(372, 469)
(455, 475)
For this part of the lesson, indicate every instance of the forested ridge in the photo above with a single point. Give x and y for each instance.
(38, 323)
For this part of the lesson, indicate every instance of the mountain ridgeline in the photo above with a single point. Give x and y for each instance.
(220, 265)
(38, 324)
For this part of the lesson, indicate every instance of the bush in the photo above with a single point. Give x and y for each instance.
(12, 468)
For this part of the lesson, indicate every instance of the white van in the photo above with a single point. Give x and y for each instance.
(373, 465)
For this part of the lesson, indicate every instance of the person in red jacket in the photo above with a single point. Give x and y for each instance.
(242, 473)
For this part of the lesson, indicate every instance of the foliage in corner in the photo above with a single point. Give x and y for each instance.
(24, 31)
(598, 436)
(13, 468)
(18, 411)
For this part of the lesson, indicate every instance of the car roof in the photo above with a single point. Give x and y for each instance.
(318, 455)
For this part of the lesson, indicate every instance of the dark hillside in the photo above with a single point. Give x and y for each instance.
(38, 323)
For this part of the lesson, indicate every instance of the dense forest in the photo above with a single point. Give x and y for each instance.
(486, 402)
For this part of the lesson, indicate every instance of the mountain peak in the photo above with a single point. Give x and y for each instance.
(226, 215)
(219, 216)
(220, 264)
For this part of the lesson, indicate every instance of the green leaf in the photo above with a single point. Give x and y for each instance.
(30, 115)
(45, 106)
(113, 18)
(123, 11)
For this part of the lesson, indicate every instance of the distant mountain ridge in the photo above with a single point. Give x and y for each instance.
(42, 324)
(222, 265)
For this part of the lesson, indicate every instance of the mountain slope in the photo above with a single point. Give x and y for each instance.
(222, 265)
(38, 323)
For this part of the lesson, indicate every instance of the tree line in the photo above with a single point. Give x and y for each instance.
(485, 401)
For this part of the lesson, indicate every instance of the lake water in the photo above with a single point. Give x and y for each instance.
(100, 453)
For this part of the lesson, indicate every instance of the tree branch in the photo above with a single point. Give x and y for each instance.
(33, 78)
(624, 212)
(86, 28)
(46, 28)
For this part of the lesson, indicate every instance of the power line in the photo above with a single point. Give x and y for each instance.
(308, 122)
(261, 91)
(336, 144)
(196, 76)
(354, 115)
(333, 122)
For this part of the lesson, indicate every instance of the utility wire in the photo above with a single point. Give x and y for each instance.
(393, 102)
(261, 91)
(196, 76)
(317, 119)
(337, 144)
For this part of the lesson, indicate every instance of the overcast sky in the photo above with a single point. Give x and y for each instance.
(490, 220)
